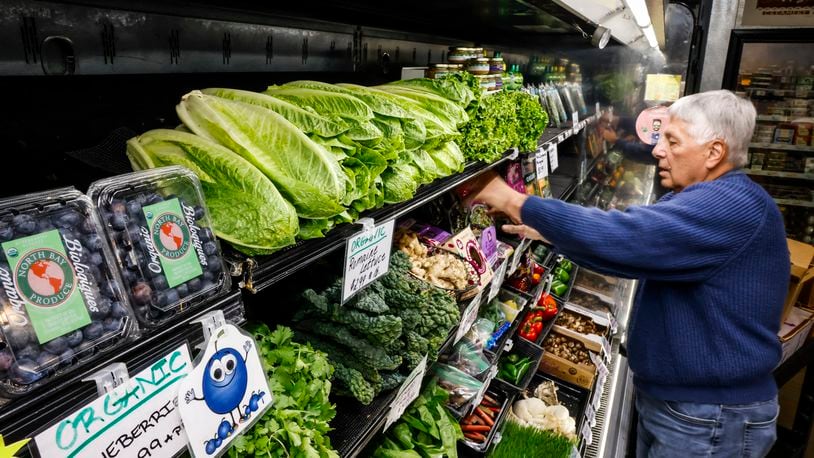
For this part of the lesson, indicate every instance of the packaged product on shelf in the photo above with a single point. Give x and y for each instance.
(784, 134)
(465, 244)
(163, 240)
(567, 357)
(583, 323)
(60, 298)
(440, 268)
(513, 175)
(529, 166)
(590, 301)
(461, 386)
(468, 356)
(803, 133)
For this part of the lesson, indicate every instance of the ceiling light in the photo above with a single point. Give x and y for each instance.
(639, 10)
(600, 37)
(650, 34)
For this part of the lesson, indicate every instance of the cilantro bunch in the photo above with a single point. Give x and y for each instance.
(296, 425)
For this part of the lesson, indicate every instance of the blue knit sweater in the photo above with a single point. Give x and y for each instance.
(715, 268)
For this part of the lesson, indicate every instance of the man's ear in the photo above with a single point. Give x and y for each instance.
(718, 150)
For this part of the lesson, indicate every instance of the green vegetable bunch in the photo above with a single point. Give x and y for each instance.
(381, 333)
(297, 423)
(518, 440)
(426, 429)
(501, 121)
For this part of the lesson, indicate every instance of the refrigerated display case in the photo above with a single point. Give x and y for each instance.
(775, 70)
(88, 76)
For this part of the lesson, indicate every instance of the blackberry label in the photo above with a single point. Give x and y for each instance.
(47, 282)
(170, 235)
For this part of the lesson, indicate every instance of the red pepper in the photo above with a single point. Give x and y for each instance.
(537, 327)
(548, 306)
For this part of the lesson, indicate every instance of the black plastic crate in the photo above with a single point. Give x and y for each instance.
(573, 274)
(494, 353)
(505, 399)
(522, 348)
(574, 398)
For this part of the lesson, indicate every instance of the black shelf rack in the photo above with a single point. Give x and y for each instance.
(23, 417)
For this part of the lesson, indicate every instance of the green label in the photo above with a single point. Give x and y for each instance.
(49, 284)
(171, 241)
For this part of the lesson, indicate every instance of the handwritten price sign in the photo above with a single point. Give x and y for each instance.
(367, 257)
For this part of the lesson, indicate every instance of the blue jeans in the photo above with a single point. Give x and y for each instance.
(669, 429)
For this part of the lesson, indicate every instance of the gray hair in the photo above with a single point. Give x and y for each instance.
(718, 115)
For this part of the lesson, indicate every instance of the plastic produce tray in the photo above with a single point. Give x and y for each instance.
(505, 398)
(522, 348)
(574, 398)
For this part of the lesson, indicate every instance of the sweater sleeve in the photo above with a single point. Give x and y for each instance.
(683, 239)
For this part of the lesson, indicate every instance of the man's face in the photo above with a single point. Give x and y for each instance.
(682, 161)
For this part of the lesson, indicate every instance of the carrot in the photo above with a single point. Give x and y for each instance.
(487, 411)
(475, 436)
(476, 428)
(489, 399)
(472, 420)
(485, 417)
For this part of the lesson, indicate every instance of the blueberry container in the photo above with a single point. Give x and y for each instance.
(60, 299)
(163, 241)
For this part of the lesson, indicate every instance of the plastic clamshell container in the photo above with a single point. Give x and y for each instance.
(522, 348)
(60, 299)
(162, 238)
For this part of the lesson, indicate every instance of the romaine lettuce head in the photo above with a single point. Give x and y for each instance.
(247, 210)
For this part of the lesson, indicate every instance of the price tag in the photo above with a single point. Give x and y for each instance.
(469, 316)
(614, 325)
(586, 433)
(367, 257)
(407, 393)
(575, 118)
(517, 256)
(137, 418)
(598, 110)
(602, 369)
(497, 280)
(760, 93)
(541, 161)
(597, 399)
(590, 415)
(606, 349)
(552, 157)
(574, 452)
(482, 391)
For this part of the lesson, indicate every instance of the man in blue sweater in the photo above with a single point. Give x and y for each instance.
(714, 268)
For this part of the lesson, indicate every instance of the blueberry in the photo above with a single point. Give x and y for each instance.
(87, 226)
(117, 310)
(206, 235)
(70, 234)
(194, 284)
(134, 231)
(67, 219)
(160, 282)
(133, 208)
(213, 264)
(118, 221)
(84, 349)
(44, 225)
(129, 277)
(75, 338)
(6, 360)
(172, 296)
(210, 248)
(56, 346)
(27, 352)
(143, 311)
(153, 274)
(117, 206)
(95, 259)
(102, 310)
(92, 242)
(141, 293)
(46, 359)
(93, 331)
(19, 336)
(199, 212)
(131, 262)
(183, 290)
(25, 372)
(208, 277)
(159, 298)
(6, 232)
(112, 324)
(152, 199)
(24, 224)
(67, 356)
(108, 289)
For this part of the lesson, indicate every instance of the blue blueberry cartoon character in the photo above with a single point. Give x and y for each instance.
(224, 384)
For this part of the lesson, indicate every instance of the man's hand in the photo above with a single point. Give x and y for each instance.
(490, 189)
(609, 135)
(523, 231)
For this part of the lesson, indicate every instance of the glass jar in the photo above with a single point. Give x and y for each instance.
(496, 66)
(459, 55)
(479, 66)
(437, 71)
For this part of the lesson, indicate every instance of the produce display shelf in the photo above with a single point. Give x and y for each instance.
(355, 425)
(22, 417)
(795, 203)
(554, 135)
(781, 146)
(778, 118)
(273, 268)
(772, 173)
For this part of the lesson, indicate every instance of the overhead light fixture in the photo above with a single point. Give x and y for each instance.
(639, 10)
(650, 34)
(601, 37)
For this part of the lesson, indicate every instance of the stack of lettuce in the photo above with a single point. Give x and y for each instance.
(297, 159)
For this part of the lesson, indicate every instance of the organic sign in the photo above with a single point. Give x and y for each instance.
(136, 419)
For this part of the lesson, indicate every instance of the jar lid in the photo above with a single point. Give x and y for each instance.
(482, 59)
